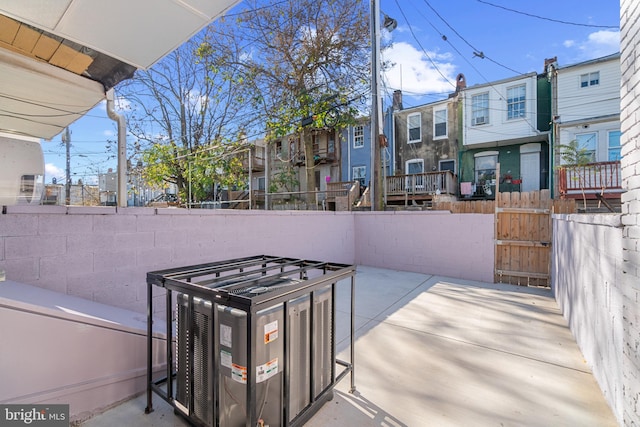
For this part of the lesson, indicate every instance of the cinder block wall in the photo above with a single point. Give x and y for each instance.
(630, 117)
(433, 242)
(586, 279)
(103, 254)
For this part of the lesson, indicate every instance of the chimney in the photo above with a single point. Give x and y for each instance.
(397, 100)
(549, 61)
(461, 83)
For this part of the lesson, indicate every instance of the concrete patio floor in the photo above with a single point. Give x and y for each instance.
(435, 351)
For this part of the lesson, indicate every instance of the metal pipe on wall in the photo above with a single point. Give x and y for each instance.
(122, 148)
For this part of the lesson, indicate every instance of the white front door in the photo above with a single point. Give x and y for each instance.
(530, 171)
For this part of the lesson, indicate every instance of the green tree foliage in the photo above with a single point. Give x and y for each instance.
(186, 115)
(303, 59)
(575, 157)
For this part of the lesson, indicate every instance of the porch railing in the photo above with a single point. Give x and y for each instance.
(443, 182)
(593, 177)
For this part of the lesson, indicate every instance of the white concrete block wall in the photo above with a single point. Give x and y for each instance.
(105, 257)
(586, 270)
(630, 126)
(454, 245)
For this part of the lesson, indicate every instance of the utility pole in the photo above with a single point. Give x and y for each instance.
(376, 189)
(66, 139)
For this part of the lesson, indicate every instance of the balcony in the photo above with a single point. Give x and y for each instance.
(420, 186)
(319, 157)
(597, 180)
(254, 160)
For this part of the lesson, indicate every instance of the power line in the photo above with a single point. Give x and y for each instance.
(545, 18)
(421, 47)
(476, 52)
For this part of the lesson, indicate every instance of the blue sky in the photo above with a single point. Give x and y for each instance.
(434, 41)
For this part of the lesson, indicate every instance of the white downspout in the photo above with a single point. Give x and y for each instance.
(122, 148)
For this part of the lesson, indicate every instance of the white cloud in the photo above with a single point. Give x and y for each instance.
(600, 43)
(52, 171)
(108, 133)
(569, 43)
(413, 72)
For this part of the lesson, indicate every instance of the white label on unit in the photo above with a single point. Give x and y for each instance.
(266, 371)
(270, 332)
(225, 335)
(239, 373)
(225, 358)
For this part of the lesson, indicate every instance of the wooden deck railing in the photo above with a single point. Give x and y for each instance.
(422, 183)
(593, 177)
(343, 194)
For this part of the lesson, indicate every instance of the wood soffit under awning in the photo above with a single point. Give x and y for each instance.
(42, 46)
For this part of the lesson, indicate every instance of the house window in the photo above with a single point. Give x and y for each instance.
(614, 145)
(480, 109)
(447, 165)
(414, 167)
(590, 79)
(331, 143)
(261, 183)
(588, 142)
(440, 123)
(359, 173)
(358, 137)
(516, 97)
(485, 168)
(414, 127)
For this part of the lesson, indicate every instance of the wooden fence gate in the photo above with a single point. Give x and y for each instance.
(523, 236)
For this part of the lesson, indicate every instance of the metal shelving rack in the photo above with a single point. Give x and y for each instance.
(250, 341)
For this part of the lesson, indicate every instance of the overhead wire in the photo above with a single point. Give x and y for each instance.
(443, 36)
(559, 21)
(435, 66)
(477, 52)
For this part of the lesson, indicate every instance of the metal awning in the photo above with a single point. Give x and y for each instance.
(58, 57)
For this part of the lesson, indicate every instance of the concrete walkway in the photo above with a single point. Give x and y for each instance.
(434, 351)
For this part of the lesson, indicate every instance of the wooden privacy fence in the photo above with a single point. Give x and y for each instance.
(523, 233)
(475, 206)
(523, 236)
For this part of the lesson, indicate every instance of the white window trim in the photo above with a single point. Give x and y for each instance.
(596, 150)
(485, 154)
(525, 102)
(409, 140)
(609, 132)
(364, 177)
(446, 121)
(588, 74)
(487, 117)
(355, 139)
(419, 184)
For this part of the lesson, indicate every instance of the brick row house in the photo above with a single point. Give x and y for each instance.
(516, 123)
(426, 139)
(452, 147)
